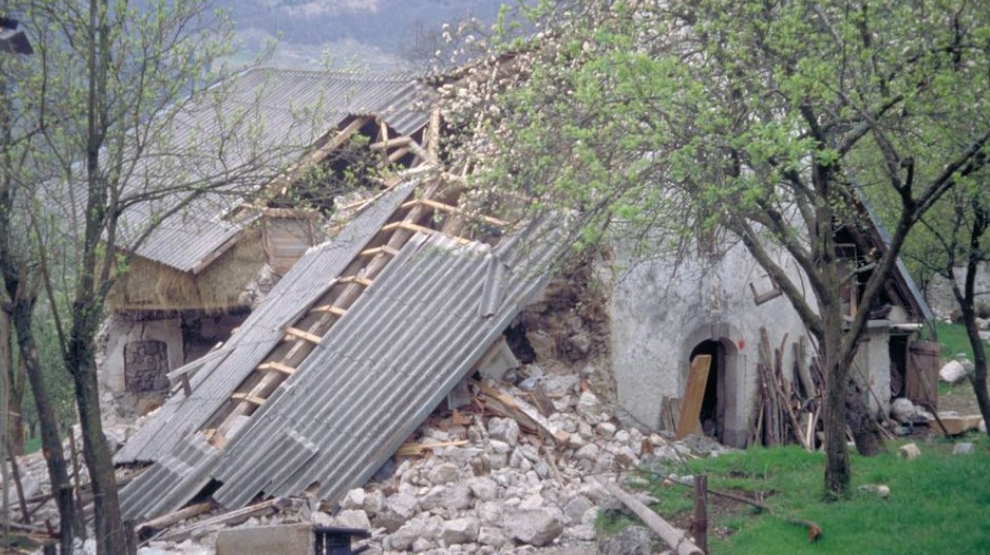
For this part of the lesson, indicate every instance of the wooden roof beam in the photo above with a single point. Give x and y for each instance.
(248, 398)
(455, 210)
(296, 333)
(277, 367)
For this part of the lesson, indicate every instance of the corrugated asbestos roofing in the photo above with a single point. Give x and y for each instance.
(213, 383)
(397, 352)
(267, 118)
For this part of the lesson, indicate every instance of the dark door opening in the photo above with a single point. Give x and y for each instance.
(898, 350)
(712, 415)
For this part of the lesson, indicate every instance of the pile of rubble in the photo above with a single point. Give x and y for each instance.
(484, 484)
(482, 479)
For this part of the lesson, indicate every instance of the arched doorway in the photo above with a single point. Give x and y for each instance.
(718, 414)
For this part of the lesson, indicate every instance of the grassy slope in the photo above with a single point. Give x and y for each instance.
(953, 339)
(939, 503)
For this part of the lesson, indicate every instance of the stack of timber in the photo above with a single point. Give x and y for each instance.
(788, 408)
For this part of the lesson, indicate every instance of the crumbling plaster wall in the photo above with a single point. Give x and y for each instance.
(660, 311)
(122, 329)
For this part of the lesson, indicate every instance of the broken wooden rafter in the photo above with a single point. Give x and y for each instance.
(416, 228)
(281, 184)
(330, 309)
(248, 398)
(355, 279)
(165, 521)
(439, 206)
(374, 251)
(277, 367)
(296, 333)
(398, 154)
(228, 519)
(528, 417)
(413, 449)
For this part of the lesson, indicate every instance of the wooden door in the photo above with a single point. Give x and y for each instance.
(921, 377)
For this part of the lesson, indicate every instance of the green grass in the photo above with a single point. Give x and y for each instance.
(953, 339)
(938, 503)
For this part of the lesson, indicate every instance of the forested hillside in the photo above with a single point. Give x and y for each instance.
(379, 34)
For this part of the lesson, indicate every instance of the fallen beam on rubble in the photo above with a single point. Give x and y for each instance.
(676, 538)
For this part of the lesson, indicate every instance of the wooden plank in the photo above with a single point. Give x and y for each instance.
(248, 398)
(277, 367)
(229, 519)
(355, 279)
(175, 517)
(413, 449)
(296, 333)
(330, 309)
(528, 417)
(398, 154)
(379, 250)
(693, 396)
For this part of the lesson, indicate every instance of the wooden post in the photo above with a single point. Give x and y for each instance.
(701, 512)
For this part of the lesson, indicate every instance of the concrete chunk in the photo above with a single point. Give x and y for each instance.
(291, 539)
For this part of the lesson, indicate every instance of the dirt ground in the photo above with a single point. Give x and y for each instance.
(959, 398)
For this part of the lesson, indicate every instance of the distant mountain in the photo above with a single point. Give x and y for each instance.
(376, 34)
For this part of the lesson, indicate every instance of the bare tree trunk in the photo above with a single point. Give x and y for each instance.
(837, 470)
(863, 424)
(965, 300)
(96, 451)
(15, 406)
(51, 440)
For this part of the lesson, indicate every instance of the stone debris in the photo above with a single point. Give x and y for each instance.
(909, 451)
(953, 372)
(965, 448)
(633, 540)
(902, 410)
(501, 489)
(882, 490)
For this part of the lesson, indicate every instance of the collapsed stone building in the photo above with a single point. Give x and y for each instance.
(366, 328)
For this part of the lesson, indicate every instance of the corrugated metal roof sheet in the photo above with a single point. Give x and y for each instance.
(268, 118)
(213, 384)
(395, 355)
(405, 343)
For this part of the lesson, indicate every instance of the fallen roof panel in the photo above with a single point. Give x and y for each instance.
(401, 349)
(213, 384)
